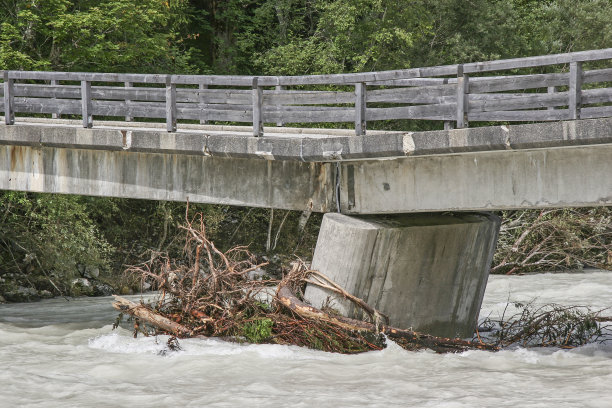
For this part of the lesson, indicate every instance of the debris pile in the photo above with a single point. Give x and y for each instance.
(211, 293)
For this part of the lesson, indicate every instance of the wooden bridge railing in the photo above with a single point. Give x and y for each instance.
(452, 93)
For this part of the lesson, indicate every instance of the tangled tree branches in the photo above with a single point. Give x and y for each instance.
(545, 240)
(210, 294)
(549, 326)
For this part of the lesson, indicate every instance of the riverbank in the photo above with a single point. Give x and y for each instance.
(79, 246)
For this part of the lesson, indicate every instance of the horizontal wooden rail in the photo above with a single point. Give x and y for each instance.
(461, 94)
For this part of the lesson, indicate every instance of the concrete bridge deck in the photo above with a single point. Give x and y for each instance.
(560, 164)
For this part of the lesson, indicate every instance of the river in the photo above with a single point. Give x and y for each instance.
(65, 354)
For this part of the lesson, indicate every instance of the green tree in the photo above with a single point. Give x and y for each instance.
(109, 35)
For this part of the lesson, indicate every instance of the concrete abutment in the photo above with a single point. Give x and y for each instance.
(425, 271)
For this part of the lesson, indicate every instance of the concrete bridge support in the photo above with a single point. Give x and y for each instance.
(425, 271)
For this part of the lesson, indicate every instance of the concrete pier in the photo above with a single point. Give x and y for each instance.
(425, 271)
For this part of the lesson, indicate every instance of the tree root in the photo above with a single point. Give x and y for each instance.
(409, 339)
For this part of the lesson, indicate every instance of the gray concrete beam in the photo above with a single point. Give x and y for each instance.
(175, 177)
(562, 177)
(561, 164)
(309, 145)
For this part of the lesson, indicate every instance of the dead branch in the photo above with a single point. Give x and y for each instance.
(147, 315)
(416, 339)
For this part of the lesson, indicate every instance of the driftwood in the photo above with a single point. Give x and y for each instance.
(145, 314)
(407, 338)
(211, 295)
(416, 339)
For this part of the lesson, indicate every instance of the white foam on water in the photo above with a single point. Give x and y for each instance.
(49, 361)
(123, 342)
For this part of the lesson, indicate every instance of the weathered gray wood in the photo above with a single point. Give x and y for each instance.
(101, 108)
(279, 89)
(601, 95)
(462, 104)
(337, 115)
(442, 98)
(307, 97)
(195, 113)
(35, 105)
(360, 109)
(88, 76)
(257, 108)
(597, 75)
(201, 98)
(448, 125)
(511, 83)
(551, 90)
(421, 94)
(170, 104)
(332, 79)
(504, 102)
(528, 62)
(49, 91)
(520, 116)
(86, 110)
(128, 118)
(214, 80)
(423, 112)
(349, 79)
(9, 99)
(596, 112)
(575, 90)
(135, 109)
(415, 82)
(507, 82)
(54, 83)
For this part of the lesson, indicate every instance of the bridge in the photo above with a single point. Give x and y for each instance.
(166, 137)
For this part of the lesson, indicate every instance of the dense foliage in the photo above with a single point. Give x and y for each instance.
(55, 234)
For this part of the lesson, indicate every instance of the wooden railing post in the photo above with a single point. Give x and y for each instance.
(128, 118)
(9, 99)
(463, 87)
(360, 109)
(201, 100)
(257, 108)
(86, 110)
(54, 82)
(551, 90)
(575, 90)
(170, 104)
(278, 107)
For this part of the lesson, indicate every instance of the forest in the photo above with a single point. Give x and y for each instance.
(54, 245)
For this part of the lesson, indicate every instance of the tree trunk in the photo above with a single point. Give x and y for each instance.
(141, 312)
